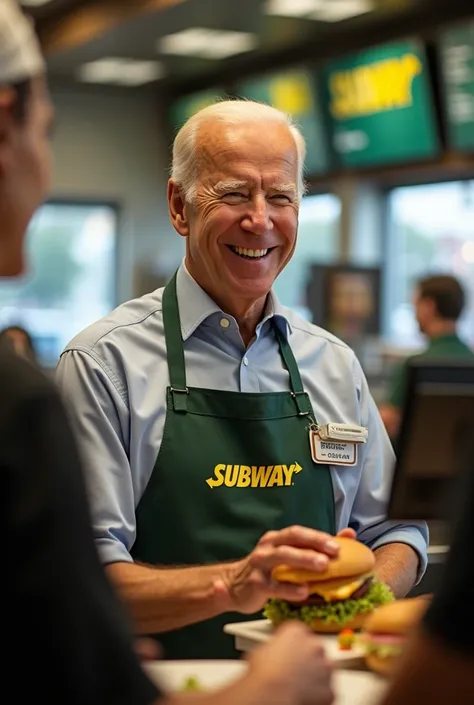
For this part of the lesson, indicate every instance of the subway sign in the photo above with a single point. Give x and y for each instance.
(457, 64)
(379, 106)
(294, 92)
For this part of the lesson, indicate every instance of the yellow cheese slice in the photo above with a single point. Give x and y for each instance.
(339, 588)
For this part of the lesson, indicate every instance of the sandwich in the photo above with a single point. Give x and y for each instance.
(340, 598)
(386, 630)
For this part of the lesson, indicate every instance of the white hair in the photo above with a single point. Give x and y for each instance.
(184, 169)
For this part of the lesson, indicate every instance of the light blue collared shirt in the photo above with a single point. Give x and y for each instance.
(114, 377)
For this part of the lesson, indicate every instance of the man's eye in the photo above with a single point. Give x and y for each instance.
(235, 197)
(281, 198)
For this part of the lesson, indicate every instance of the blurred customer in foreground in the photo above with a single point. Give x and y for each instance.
(60, 604)
(439, 303)
(438, 666)
(20, 340)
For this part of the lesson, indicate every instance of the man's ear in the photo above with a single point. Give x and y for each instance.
(7, 103)
(177, 209)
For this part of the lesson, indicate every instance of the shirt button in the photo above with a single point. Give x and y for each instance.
(225, 323)
(246, 361)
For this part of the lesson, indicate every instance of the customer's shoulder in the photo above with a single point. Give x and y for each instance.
(21, 380)
(127, 322)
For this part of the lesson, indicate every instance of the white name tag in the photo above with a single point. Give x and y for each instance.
(332, 452)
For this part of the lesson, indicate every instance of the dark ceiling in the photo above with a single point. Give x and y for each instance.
(75, 32)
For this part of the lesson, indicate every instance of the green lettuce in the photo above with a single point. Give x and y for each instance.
(339, 613)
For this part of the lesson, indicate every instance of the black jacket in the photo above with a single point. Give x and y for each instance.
(66, 638)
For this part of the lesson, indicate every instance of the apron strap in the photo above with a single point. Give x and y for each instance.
(174, 347)
(296, 383)
(175, 355)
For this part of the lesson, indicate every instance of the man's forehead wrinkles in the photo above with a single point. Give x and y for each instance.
(206, 156)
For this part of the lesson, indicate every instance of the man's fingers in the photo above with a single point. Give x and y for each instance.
(147, 649)
(288, 592)
(348, 533)
(266, 557)
(302, 537)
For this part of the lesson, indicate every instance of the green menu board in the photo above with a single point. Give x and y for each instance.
(457, 65)
(186, 106)
(294, 92)
(380, 107)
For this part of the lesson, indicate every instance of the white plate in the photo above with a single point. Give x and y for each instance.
(172, 675)
(248, 635)
(356, 688)
(351, 688)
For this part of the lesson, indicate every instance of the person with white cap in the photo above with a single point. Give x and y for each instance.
(61, 605)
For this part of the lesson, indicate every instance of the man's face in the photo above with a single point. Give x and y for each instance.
(241, 228)
(25, 170)
(425, 311)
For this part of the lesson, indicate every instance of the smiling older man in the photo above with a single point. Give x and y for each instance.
(194, 406)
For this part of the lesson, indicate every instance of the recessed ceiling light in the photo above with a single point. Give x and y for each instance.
(338, 10)
(125, 72)
(207, 43)
(34, 3)
(293, 8)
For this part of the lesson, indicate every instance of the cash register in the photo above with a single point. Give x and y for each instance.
(435, 451)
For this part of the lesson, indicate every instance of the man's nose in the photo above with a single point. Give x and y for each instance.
(258, 220)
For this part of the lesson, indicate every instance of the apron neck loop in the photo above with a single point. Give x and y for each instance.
(175, 355)
(174, 347)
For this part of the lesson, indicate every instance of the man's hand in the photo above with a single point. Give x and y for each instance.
(147, 649)
(293, 667)
(248, 584)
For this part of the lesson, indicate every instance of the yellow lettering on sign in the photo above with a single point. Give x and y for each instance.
(291, 94)
(366, 90)
(364, 94)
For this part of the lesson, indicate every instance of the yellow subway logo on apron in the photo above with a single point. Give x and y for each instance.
(254, 475)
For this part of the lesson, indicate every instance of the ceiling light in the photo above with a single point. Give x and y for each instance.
(125, 72)
(338, 10)
(207, 43)
(292, 8)
(34, 3)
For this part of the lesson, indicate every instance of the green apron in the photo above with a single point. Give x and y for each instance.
(231, 467)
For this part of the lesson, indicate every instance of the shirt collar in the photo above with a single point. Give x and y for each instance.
(448, 338)
(195, 306)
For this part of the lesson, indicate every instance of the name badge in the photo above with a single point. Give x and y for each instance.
(332, 452)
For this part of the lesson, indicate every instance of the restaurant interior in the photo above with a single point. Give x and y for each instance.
(383, 91)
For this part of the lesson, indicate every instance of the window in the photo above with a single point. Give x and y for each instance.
(431, 231)
(318, 243)
(71, 277)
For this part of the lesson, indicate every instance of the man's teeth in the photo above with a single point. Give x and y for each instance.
(249, 253)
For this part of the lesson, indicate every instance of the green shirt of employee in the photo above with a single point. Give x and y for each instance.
(439, 302)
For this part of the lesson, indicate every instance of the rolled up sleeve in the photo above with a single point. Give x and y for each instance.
(100, 418)
(369, 511)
